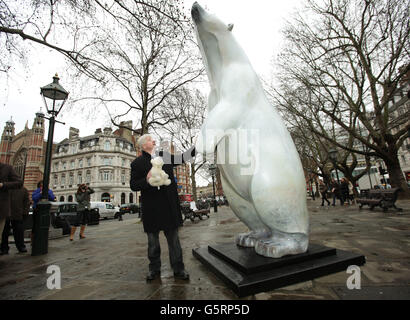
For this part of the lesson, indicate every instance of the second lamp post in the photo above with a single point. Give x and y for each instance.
(212, 170)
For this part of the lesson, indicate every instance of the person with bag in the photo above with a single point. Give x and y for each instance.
(83, 198)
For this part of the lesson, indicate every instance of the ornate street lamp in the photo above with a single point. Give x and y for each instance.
(54, 96)
(333, 157)
(212, 170)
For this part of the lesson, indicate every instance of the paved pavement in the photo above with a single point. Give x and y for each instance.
(111, 262)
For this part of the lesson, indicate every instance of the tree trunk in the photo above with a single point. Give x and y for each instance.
(396, 177)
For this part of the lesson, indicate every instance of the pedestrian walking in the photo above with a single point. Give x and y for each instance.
(20, 206)
(119, 213)
(83, 198)
(344, 191)
(160, 207)
(335, 187)
(9, 180)
(323, 192)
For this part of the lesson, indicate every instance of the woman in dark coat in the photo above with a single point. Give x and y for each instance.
(160, 207)
(8, 180)
(83, 198)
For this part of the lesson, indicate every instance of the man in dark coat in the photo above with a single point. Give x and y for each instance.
(160, 207)
(20, 206)
(8, 180)
(336, 192)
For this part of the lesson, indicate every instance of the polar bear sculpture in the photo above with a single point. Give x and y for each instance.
(271, 200)
(158, 176)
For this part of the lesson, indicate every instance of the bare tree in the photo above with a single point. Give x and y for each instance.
(188, 106)
(142, 67)
(344, 60)
(128, 56)
(64, 26)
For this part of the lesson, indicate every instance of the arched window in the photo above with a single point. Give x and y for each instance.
(122, 198)
(62, 199)
(105, 197)
(70, 198)
(131, 198)
(20, 163)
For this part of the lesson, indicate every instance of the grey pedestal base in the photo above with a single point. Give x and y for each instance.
(245, 272)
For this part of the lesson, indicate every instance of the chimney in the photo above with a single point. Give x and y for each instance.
(73, 133)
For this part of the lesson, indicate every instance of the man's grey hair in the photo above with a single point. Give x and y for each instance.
(141, 140)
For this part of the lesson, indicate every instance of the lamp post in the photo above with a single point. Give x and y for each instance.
(212, 170)
(54, 96)
(333, 157)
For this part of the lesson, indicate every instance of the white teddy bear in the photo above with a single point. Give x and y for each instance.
(158, 176)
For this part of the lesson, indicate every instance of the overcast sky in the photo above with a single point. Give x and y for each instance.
(257, 26)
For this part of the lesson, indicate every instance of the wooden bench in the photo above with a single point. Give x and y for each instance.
(385, 198)
(191, 212)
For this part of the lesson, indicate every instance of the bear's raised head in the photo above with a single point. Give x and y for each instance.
(218, 47)
(208, 22)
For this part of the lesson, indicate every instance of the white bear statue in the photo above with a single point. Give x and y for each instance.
(158, 176)
(267, 192)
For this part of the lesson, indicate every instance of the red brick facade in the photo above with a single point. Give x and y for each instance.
(25, 151)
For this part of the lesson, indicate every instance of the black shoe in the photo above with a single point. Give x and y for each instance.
(183, 275)
(153, 275)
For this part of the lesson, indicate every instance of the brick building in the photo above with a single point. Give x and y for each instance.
(25, 151)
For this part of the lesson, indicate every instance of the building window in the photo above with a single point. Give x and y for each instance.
(64, 165)
(72, 163)
(107, 145)
(80, 178)
(70, 198)
(107, 161)
(63, 180)
(89, 162)
(123, 176)
(106, 176)
(80, 163)
(62, 199)
(56, 166)
(88, 176)
(131, 198)
(123, 162)
(55, 179)
(71, 181)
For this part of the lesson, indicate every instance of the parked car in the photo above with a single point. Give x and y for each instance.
(67, 211)
(105, 209)
(130, 208)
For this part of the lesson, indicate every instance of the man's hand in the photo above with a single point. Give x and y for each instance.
(1, 184)
(149, 175)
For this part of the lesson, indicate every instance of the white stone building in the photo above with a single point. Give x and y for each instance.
(101, 160)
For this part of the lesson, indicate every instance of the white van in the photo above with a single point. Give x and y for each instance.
(105, 209)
